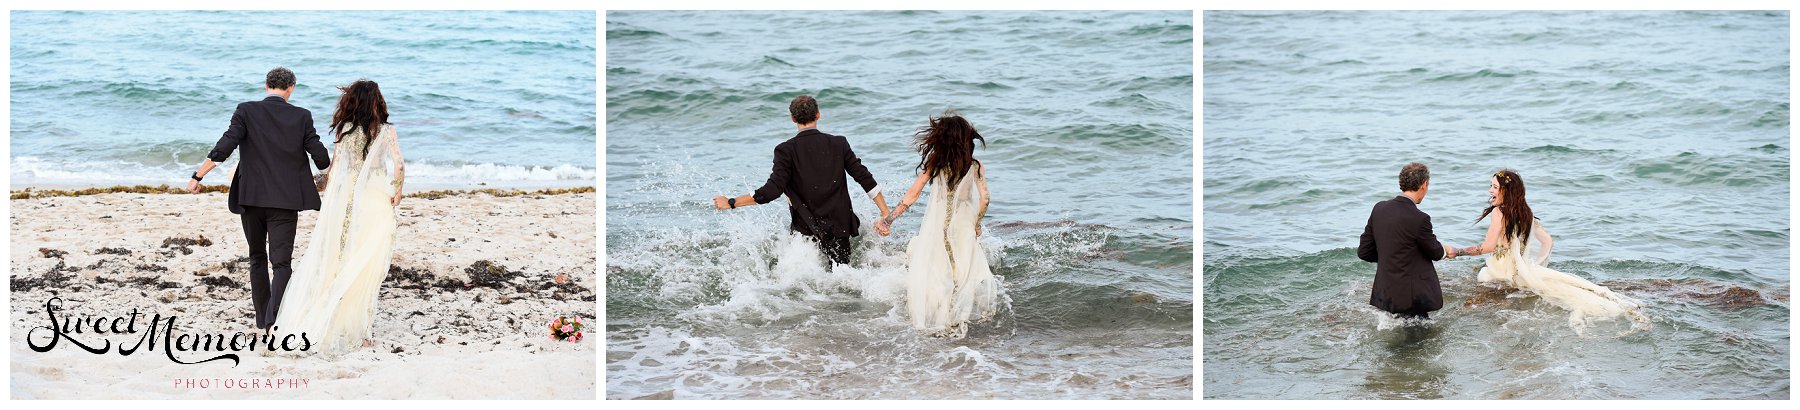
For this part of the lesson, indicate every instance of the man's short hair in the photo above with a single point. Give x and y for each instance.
(280, 78)
(804, 109)
(1412, 176)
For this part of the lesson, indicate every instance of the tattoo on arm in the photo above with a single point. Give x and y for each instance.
(1472, 250)
(895, 214)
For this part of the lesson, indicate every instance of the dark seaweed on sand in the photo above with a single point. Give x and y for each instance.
(151, 283)
(184, 244)
(485, 273)
(56, 278)
(419, 279)
(221, 282)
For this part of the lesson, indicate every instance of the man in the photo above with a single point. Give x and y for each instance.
(809, 169)
(1398, 239)
(271, 185)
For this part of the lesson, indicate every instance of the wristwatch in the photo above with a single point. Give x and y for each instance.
(732, 201)
(196, 176)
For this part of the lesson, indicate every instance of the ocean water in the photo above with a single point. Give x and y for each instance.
(1654, 146)
(494, 98)
(1089, 122)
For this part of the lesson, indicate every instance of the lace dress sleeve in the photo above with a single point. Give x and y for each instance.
(394, 156)
(1542, 243)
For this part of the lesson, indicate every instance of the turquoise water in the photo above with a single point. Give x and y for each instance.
(1654, 146)
(495, 98)
(1089, 122)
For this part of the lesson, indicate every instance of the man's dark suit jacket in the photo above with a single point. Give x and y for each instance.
(276, 138)
(812, 165)
(1398, 239)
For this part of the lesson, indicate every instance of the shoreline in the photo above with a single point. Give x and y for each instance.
(46, 192)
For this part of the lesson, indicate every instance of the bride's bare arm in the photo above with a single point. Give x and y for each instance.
(1493, 237)
(912, 195)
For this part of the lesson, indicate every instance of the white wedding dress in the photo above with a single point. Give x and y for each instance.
(948, 283)
(1585, 300)
(331, 295)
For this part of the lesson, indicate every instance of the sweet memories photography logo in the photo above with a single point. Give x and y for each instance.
(96, 334)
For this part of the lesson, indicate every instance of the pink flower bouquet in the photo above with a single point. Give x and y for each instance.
(566, 329)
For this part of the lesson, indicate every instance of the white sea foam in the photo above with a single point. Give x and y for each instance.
(499, 172)
(758, 314)
(28, 171)
(37, 171)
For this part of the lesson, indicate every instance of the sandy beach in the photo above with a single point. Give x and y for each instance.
(462, 313)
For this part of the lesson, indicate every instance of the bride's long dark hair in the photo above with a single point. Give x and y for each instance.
(360, 106)
(1512, 205)
(947, 144)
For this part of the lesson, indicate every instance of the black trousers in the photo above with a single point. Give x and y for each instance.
(270, 233)
(838, 249)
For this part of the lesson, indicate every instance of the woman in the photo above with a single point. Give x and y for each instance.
(1509, 235)
(331, 296)
(947, 278)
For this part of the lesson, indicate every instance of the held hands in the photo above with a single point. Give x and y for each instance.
(1449, 251)
(881, 226)
(885, 225)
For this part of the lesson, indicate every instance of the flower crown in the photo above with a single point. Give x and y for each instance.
(1503, 177)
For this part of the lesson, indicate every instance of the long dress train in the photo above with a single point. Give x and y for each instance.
(948, 281)
(331, 295)
(1585, 300)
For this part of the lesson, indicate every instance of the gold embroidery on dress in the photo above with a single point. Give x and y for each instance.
(949, 211)
(357, 144)
(956, 329)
